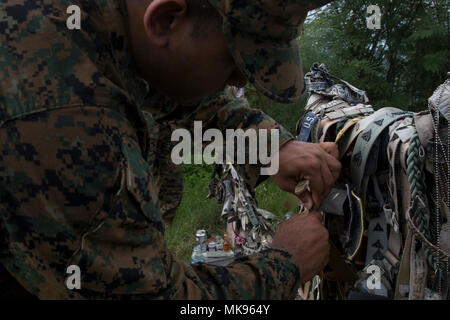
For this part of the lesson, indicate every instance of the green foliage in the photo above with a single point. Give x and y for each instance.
(399, 65)
(271, 198)
(195, 212)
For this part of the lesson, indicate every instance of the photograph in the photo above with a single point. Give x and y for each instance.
(220, 159)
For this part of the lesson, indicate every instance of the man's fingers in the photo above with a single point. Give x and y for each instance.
(319, 165)
(321, 181)
(333, 163)
(317, 215)
(289, 186)
(330, 148)
(334, 166)
(332, 157)
(323, 178)
(317, 187)
(307, 200)
(329, 180)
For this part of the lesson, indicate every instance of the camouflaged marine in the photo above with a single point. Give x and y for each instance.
(85, 170)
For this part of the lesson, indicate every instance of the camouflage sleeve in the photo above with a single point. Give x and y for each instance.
(76, 190)
(242, 116)
(223, 111)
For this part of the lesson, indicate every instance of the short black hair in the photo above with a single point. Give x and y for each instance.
(207, 20)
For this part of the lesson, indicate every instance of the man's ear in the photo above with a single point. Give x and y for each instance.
(162, 18)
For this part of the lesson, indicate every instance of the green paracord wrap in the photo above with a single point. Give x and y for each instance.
(417, 188)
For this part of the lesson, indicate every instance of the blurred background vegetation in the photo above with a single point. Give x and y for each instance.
(399, 65)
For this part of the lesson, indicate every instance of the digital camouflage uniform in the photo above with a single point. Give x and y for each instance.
(85, 173)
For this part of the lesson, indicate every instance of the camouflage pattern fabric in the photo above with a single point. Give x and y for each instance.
(262, 37)
(85, 176)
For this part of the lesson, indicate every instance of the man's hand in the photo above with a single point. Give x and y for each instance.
(314, 162)
(306, 239)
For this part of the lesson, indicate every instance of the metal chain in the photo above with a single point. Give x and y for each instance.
(447, 274)
(438, 142)
(438, 199)
(436, 124)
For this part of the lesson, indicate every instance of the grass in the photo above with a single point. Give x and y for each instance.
(197, 212)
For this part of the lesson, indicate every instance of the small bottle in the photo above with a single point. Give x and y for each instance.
(226, 244)
(212, 246)
(200, 237)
